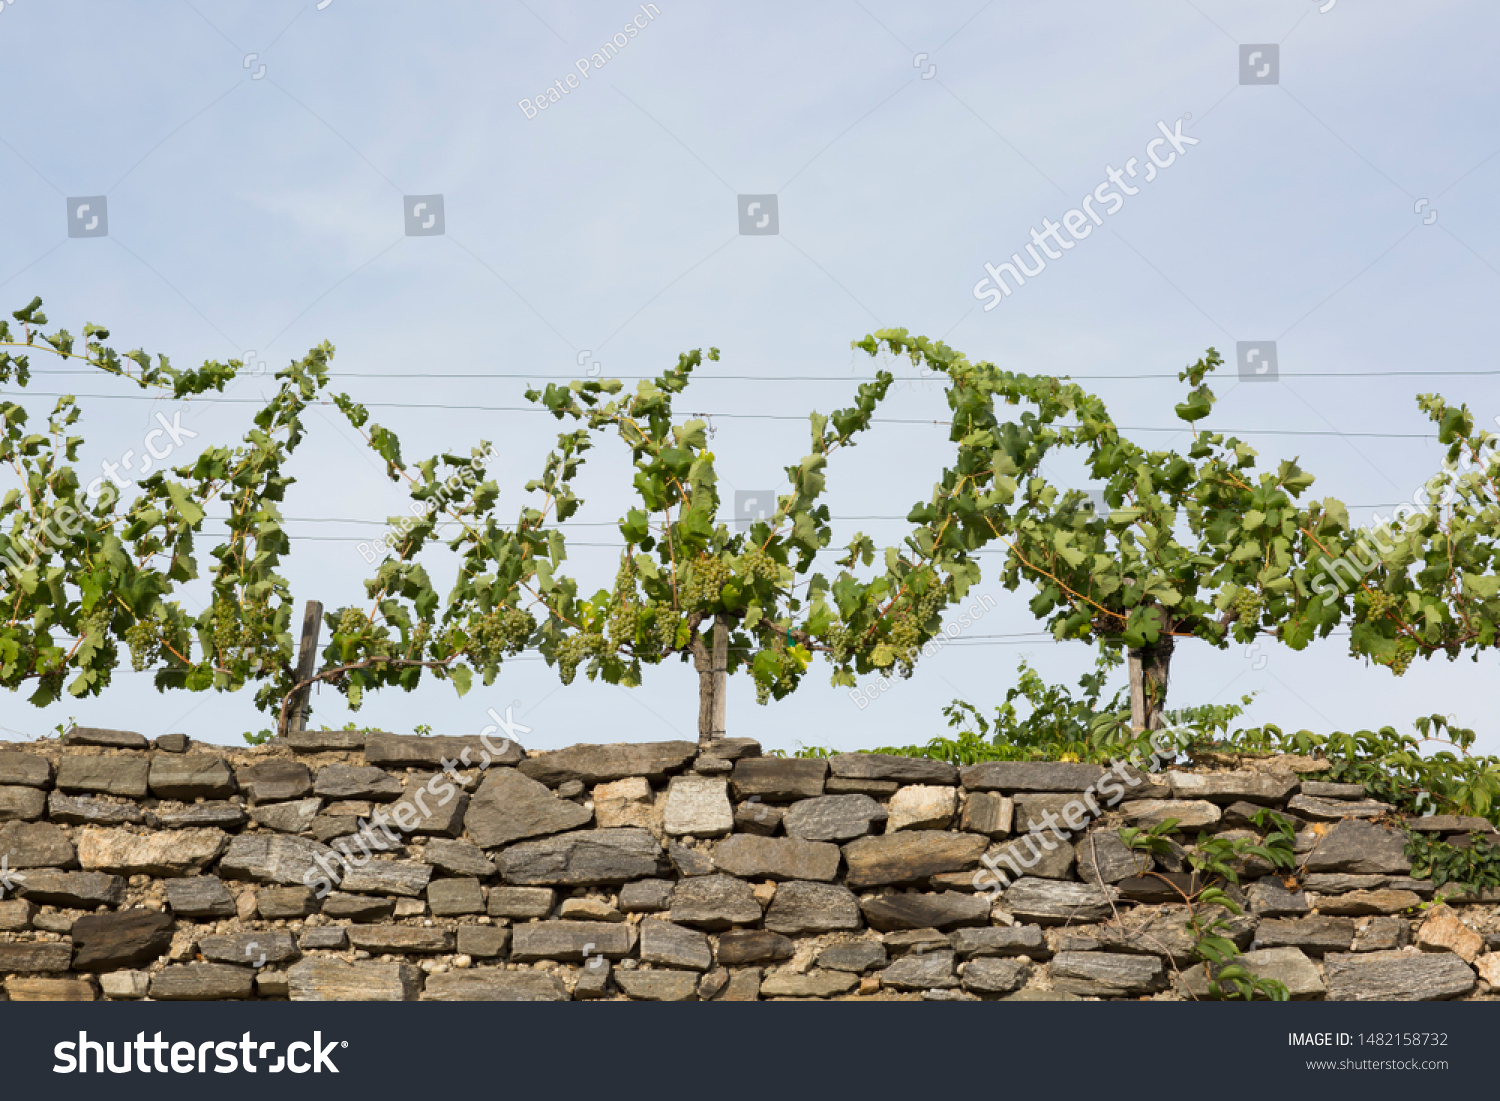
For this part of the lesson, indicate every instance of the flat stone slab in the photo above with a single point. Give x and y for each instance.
(1053, 902)
(380, 940)
(110, 739)
(922, 807)
(919, 971)
(331, 980)
(1322, 789)
(1031, 854)
(407, 878)
(510, 806)
(833, 818)
(910, 856)
(855, 957)
(674, 945)
(1315, 935)
(31, 957)
(430, 809)
(1362, 903)
(752, 857)
(698, 806)
(1288, 966)
(276, 781)
(356, 782)
(324, 741)
(522, 903)
(944, 910)
(278, 903)
(884, 766)
(779, 779)
(1438, 823)
(254, 949)
(1231, 787)
(1272, 900)
(200, 896)
(125, 776)
(458, 858)
(452, 897)
(995, 976)
(1360, 847)
(21, 804)
(224, 816)
(801, 908)
(203, 982)
(483, 941)
(169, 853)
(429, 751)
(1013, 776)
(130, 938)
(73, 890)
(18, 989)
(714, 902)
(278, 858)
(814, 984)
(744, 946)
(1106, 974)
(599, 764)
(35, 845)
(1000, 940)
(1401, 976)
(190, 776)
(296, 816)
(570, 941)
(989, 813)
(491, 984)
(1331, 810)
(84, 810)
(1191, 814)
(24, 769)
(658, 986)
(583, 858)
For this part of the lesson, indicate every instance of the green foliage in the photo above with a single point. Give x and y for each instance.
(1392, 766)
(1196, 545)
(1475, 866)
(1426, 582)
(1216, 860)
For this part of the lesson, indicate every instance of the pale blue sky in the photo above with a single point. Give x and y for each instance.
(264, 210)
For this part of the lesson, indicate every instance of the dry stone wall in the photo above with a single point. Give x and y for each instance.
(349, 866)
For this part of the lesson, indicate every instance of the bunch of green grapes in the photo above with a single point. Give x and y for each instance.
(1406, 650)
(706, 578)
(1248, 606)
(1381, 604)
(755, 562)
(351, 621)
(623, 611)
(500, 632)
(841, 644)
(145, 644)
(572, 651)
(664, 629)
